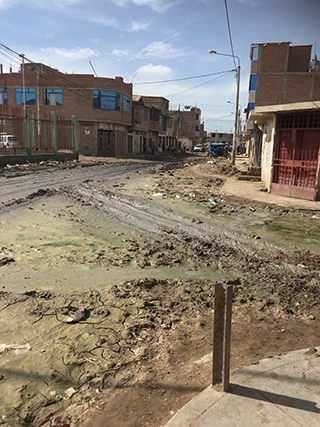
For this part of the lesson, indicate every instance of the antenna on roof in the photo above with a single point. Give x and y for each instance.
(93, 69)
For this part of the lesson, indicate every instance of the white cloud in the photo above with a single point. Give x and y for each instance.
(66, 60)
(137, 26)
(122, 54)
(161, 50)
(156, 50)
(5, 4)
(254, 3)
(59, 3)
(156, 5)
(71, 54)
(153, 73)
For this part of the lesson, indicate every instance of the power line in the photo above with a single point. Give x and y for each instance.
(229, 29)
(184, 78)
(202, 84)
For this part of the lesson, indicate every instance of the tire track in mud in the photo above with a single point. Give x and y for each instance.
(18, 185)
(135, 212)
(200, 240)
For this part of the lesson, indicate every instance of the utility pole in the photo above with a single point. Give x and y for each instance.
(24, 87)
(38, 108)
(234, 147)
(235, 128)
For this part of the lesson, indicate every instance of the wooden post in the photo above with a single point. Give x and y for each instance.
(222, 335)
(218, 333)
(227, 337)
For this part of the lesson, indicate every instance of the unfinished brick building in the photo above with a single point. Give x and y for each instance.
(284, 118)
(190, 126)
(281, 74)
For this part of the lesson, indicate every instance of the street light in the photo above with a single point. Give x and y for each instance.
(233, 156)
(239, 121)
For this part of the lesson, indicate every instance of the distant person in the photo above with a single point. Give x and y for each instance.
(145, 149)
(160, 147)
(185, 147)
(153, 147)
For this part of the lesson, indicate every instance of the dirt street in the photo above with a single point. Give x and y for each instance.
(107, 277)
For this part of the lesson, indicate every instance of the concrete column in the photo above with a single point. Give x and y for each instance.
(75, 144)
(53, 131)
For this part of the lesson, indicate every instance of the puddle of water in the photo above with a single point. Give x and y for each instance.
(53, 242)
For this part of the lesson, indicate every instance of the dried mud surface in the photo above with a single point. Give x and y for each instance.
(138, 252)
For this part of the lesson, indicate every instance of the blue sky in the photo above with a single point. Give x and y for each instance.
(158, 40)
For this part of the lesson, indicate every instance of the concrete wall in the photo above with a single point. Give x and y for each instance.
(267, 152)
(21, 159)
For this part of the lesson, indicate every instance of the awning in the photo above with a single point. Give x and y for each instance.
(261, 114)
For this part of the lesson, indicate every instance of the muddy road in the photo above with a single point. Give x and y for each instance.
(135, 250)
(17, 182)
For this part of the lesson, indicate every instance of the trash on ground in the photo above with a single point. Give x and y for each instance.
(157, 194)
(77, 317)
(18, 348)
(70, 392)
(302, 265)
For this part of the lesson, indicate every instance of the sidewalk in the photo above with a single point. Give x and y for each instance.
(280, 391)
(251, 191)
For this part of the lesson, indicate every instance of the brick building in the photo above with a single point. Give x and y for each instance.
(101, 105)
(190, 126)
(219, 137)
(284, 118)
(152, 123)
(281, 74)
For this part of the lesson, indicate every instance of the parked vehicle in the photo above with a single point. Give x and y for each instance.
(198, 147)
(218, 149)
(7, 141)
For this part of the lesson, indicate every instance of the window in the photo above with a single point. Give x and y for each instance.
(145, 114)
(198, 116)
(154, 114)
(105, 100)
(298, 121)
(3, 96)
(250, 107)
(126, 104)
(30, 96)
(220, 135)
(52, 96)
(197, 127)
(255, 53)
(213, 134)
(253, 82)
